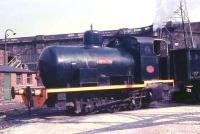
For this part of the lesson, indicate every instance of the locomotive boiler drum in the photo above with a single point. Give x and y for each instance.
(60, 66)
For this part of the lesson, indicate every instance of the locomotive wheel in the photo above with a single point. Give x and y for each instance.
(130, 106)
(70, 110)
(137, 103)
(113, 109)
(147, 100)
(90, 105)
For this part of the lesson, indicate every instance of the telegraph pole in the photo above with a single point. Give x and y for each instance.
(183, 24)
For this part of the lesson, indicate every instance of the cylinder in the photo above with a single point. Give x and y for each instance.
(58, 64)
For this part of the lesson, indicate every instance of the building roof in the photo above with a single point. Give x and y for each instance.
(8, 69)
(148, 31)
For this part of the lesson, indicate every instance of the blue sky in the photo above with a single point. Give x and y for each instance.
(43, 17)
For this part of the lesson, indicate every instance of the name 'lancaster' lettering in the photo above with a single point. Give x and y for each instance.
(104, 61)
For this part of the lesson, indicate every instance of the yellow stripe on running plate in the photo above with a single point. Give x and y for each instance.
(110, 87)
(94, 88)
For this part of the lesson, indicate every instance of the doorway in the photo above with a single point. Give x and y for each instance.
(7, 86)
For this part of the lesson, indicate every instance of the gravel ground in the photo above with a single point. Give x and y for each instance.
(10, 106)
(180, 119)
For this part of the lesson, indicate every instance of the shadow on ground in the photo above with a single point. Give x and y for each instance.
(150, 120)
(139, 120)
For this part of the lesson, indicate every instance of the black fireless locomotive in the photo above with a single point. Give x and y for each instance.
(125, 73)
(126, 61)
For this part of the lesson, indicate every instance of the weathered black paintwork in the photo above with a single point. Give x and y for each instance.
(185, 64)
(141, 49)
(123, 61)
(92, 38)
(59, 65)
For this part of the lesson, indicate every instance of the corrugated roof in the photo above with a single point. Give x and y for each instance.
(8, 69)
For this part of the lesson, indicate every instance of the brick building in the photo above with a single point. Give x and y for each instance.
(14, 77)
(1, 57)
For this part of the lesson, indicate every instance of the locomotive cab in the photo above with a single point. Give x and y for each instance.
(147, 59)
(141, 49)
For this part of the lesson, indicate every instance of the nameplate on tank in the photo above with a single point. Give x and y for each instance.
(104, 61)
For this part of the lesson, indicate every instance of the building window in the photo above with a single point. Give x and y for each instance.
(19, 79)
(29, 78)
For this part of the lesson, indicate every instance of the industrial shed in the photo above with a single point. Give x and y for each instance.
(14, 77)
